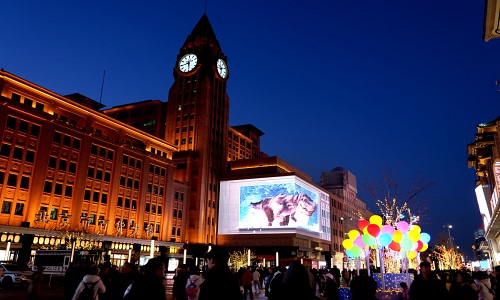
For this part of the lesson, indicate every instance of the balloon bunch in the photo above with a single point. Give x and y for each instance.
(404, 238)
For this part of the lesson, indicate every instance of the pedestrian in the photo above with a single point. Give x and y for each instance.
(346, 278)
(246, 282)
(298, 283)
(93, 281)
(482, 285)
(405, 293)
(275, 285)
(267, 281)
(363, 287)
(330, 289)
(180, 278)
(427, 286)
(220, 283)
(193, 283)
(461, 288)
(128, 273)
(35, 283)
(336, 274)
(149, 284)
(256, 281)
(497, 277)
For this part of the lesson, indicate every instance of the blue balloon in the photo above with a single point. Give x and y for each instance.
(385, 239)
(425, 237)
(349, 254)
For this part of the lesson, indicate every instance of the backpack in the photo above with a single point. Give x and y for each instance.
(192, 289)
(88, 291)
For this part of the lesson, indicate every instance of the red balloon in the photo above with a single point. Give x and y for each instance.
(373, 230)
(394, 246)
(362, 224)
(420, 245)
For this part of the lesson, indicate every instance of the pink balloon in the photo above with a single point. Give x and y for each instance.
(403, 226)
(359, 242)
(388, 229)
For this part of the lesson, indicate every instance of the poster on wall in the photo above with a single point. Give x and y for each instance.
(278, 206)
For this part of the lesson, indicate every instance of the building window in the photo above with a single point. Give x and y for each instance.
(11, 122)
(47, 188)
(147, 207)
(127, 203)
(86, 195)
(16, 97)
(104, 198)
(134, 204)
(35, 130)
(62, 165)
(95, 198)
(53, 214)
(183, 141)
(52, 162)
(28, 102)
(66, 140)
(25, 182)
(18, 153)
(19, 209)
(6, 207)
(30, 156)
(72, 167)
(76, 144)
(58, 189)
(159, 210)
(12, 180)
(5, 150)
(119, 203)
(175, 213)
(23, 126)
(69, 191)
(157, 228)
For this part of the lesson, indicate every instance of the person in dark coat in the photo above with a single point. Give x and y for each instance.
(276, 284)
(128, 274)
(497, 281)
(298, 283)
(330, 289)
(363, 287)
(149, 285)
(180, 279)
(427, 286)
(461, 289)
(219, 282)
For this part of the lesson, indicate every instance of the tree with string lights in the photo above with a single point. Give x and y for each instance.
(239, 259)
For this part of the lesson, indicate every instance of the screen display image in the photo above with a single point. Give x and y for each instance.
(278, 206)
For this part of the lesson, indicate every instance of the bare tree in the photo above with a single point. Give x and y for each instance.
(395, 205)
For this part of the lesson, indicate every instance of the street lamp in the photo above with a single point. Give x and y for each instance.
(450, 239)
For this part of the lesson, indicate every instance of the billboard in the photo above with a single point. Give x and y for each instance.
(284, 204)
(278, 205)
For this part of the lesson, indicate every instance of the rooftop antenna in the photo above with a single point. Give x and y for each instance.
(102, 86)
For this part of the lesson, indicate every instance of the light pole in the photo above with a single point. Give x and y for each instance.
(450, 239)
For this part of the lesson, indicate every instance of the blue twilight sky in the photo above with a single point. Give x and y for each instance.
(364, 85)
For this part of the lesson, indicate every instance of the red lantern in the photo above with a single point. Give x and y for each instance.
(394, 246)
(362, 224)
(373, 230)
(420, 245)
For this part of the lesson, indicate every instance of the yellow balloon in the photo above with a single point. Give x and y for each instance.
(376, 219)
(424, 247)
(353, 234)
(397, 236)
(414, 236)
(416, 228)
(411, 254)
(347, 244)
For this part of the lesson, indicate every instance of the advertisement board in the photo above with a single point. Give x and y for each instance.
(284, 204)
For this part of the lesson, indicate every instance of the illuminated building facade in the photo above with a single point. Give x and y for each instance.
(484, 157)
(66, 167)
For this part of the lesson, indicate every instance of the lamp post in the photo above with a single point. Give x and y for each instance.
(450, 239)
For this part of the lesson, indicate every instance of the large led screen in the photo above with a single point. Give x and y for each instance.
(279, 205)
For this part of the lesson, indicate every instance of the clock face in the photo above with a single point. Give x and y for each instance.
(221, 68)
(188, 62)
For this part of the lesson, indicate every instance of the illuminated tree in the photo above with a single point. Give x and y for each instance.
(239, 259)
(396, 206)
(449, 258)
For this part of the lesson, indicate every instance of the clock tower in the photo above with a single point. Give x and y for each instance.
(197, 123)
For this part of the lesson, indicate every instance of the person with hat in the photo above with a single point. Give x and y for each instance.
(330, 289)
(219, 282)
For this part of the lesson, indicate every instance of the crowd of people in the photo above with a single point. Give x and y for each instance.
(219, 281)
